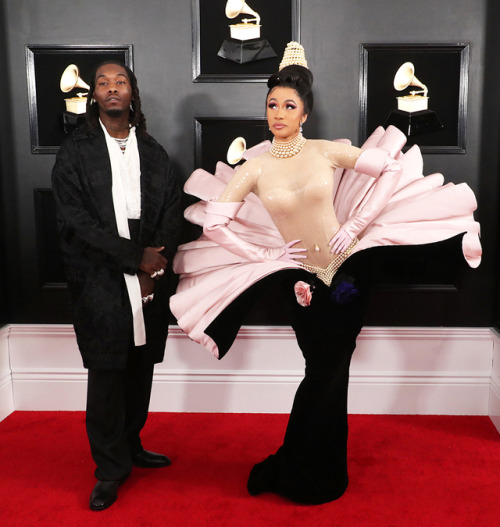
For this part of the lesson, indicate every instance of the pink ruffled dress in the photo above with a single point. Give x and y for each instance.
(421, 210)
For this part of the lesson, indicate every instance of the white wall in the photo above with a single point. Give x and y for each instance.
(394, 371)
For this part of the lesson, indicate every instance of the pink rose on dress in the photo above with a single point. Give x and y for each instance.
(303, 293)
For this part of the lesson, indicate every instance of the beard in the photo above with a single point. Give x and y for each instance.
(114, 112)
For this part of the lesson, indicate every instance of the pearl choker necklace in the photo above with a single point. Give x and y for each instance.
(288, 149)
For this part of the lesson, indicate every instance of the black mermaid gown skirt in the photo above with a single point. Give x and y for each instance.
(311, 465)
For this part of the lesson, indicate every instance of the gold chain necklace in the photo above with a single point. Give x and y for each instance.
(288, 148)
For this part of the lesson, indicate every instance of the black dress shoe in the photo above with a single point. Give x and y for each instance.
(104, 494)
(145, 459)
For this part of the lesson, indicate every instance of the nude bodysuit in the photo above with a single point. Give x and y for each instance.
(297, 193)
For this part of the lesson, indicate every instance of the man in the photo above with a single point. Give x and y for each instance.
(118, 209)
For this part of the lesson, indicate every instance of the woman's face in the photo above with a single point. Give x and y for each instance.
(285, 113)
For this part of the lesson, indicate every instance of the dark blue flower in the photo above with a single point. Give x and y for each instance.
(344, 292)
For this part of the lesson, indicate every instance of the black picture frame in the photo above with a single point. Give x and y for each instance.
(443, 68)
(44, 67)
(213, 135)
(280, 21)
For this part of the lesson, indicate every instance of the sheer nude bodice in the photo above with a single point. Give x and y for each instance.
(297, 193)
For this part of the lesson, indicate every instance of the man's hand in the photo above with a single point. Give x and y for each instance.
(153, 263)
(147, 286)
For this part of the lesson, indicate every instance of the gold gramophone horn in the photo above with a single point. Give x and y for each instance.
(405, 76)
(70, 79)
(236, 7)
(236, 150)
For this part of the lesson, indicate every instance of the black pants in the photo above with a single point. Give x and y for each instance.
(117, 409)
(311, 465)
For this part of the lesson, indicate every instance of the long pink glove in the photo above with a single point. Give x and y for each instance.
(218, 216)
(340, 242)
(377, 163)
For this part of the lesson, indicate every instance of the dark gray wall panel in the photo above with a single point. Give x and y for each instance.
(160, 31)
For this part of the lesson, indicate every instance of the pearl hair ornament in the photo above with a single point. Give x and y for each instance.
(294, 54)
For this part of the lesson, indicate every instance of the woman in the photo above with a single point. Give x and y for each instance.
(273, 220)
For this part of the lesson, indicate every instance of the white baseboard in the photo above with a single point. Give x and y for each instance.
(394, 371)
(6, 393)
(494, 403)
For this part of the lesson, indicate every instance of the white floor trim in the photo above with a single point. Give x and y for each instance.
(6, 393)
(494, 403)
(394, 371)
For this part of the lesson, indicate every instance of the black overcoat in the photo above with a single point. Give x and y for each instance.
(96, 257)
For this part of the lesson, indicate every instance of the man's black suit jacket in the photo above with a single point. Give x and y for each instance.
(96, 257)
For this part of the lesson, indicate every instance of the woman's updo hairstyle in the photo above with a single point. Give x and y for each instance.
(298, 78)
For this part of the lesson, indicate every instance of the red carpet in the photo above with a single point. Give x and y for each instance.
(404, 471)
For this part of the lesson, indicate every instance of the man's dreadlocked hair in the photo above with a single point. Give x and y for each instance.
(136, 117)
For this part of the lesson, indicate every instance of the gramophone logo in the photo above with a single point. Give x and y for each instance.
(413, 116)
(75, 106)
(70, 79)
(245, 43)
